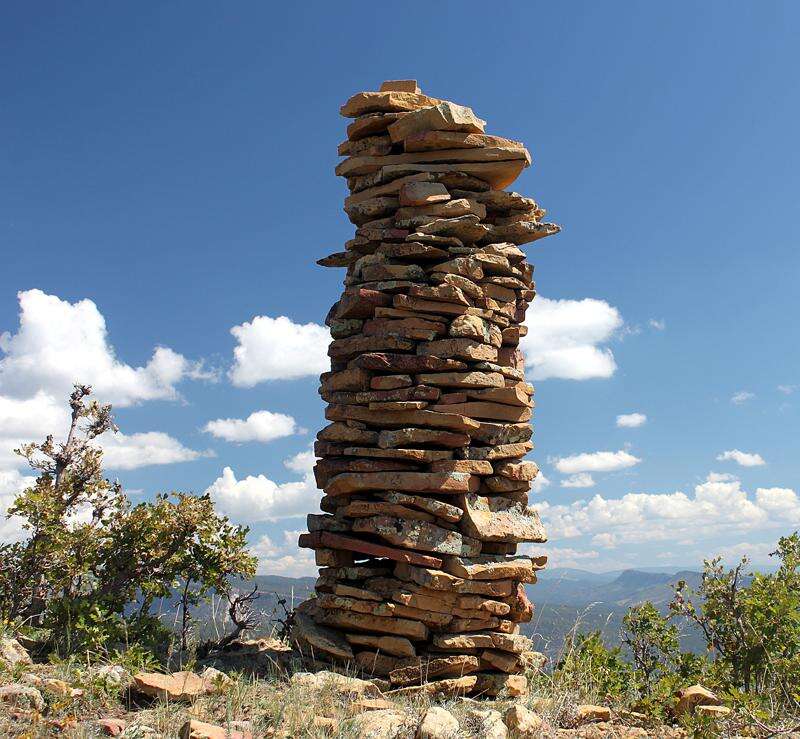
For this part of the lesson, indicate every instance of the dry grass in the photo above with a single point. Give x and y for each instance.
(275, 707)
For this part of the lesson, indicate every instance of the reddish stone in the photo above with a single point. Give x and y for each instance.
(325, 539)
(406, 363)
(360, 303)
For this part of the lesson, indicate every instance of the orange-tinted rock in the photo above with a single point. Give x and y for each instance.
(390, 101)
(423, 193)
(111, 726)
(459, 348)
(318, 638)
(454, 666)
(494, 684)
(694, 695)
(502, 661)
(404, 363)
(444, 116)
(502, 451)
(517, 470)
(585, 714)
(417, 436)
(419, 535)
(462, 379)
(370, 124)
(368, 146)
(409, 216)
(414, 630)
(339, 431)
(400, 86)
(177, 686)
(488, 567)
(325, 539)
(462, 465)
(194, 729)
(436, 579)
(419, 482)
(515, 396)
(360, 303)
(500, 519)
(437, 508)
(395, 645)
(429, 140)
(390, 382)
(423, 418)
(417, 455)
(492, 411)
(369, 508)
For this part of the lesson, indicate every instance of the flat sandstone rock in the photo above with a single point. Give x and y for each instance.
(444, 116)
(389, 101)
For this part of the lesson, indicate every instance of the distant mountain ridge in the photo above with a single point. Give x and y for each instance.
(562, 597)
(598, 601)
(621, 588)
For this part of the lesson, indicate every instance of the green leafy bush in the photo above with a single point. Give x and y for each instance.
(93, 565)
(594, 671)
(751, 623)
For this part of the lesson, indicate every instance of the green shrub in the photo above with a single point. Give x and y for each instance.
(594, 671)
(93, 564)
(751, 623)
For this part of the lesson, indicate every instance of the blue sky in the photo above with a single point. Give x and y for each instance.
(173, 164)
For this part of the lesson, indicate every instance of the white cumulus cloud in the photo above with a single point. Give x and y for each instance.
(278, 349)
(131, 451)
(778, 502)
(260, 426)
(596, 462)
(26, 420)
(540, 482)
(256, 498)
(579, 480)
(59, 343)
(745, 459)
(562, 556)
(284, 557)
(607, 540)
(742, 397)
(12, 483)
(631, 420)
(31, 419)
(565, 337)
(302, 462)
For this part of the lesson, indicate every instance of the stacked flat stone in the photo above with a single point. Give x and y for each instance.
(422, 463)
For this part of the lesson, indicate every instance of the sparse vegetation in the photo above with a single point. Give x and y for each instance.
(751, 624)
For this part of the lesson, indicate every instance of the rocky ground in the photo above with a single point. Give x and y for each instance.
(280, 700)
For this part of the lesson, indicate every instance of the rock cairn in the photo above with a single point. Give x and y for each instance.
(425, 485)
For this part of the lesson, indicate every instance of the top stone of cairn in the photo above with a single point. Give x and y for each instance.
(395, 96)
(400, 86)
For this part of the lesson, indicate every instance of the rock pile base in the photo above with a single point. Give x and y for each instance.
(422, 464)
